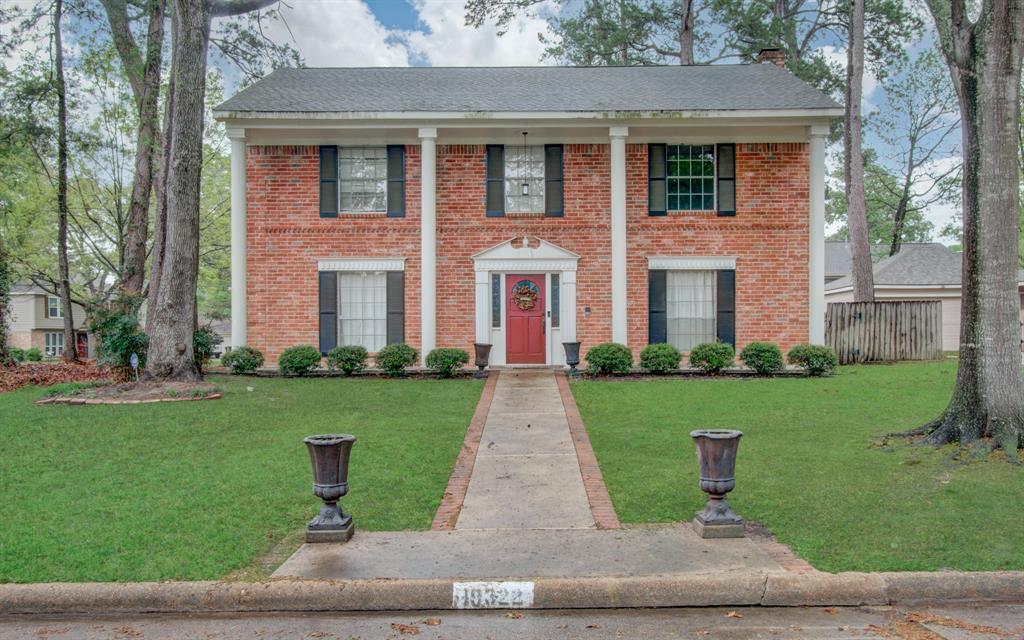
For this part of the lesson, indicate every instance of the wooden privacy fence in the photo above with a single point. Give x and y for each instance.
(884, 331)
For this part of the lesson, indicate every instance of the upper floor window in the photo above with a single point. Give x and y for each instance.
(691, 177)
(53, 307)
(524, 179)
(362, 179)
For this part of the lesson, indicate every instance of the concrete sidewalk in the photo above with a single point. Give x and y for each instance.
(474, 554)
(526, 474)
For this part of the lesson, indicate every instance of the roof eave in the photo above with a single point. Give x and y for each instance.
(614, 115)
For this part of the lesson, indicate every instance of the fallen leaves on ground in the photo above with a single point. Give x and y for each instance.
(44, 374)
(831, 611)
(733, 614)
(405, 629)
(432, 622)
(515, 615)
(593, 626)
(955, 623)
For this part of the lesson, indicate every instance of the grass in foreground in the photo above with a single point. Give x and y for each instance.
(195, 490)
(807, 467)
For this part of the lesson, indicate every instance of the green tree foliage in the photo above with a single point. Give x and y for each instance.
(881, 192)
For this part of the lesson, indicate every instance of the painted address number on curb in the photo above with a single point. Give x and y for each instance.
(492, 595)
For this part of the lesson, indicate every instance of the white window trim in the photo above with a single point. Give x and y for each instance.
(714, 173)
(49, 308)
(338, 160)
(361, 264)
(57, 349)
(695, 263)
(541, 179)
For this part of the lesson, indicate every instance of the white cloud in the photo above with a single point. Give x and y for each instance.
(340, 33)
(448, 41)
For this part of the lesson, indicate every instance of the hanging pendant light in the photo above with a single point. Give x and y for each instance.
(526, 185)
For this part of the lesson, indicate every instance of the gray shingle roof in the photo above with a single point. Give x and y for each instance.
(837, 258)
(917, 264)
(491, 89)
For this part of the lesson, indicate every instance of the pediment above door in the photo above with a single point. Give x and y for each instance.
(527, 253)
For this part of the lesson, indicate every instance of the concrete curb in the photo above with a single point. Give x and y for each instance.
(678, 590)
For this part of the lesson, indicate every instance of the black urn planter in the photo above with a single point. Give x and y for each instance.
(716, 455)
(572, 357)
(329, 456)
(483, 357)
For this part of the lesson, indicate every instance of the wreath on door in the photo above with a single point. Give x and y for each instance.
(524, 295)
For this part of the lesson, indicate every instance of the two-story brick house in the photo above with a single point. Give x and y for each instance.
(526, 207)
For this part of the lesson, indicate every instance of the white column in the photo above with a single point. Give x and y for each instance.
(816, 271)
(239, 308)
(619, 303)
(568, 310)
(428, 241)
(483, 307)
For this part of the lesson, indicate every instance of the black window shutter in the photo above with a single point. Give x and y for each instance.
(553, 184)
(657, 168)
(657, 307)
(726, 312)
(396, 307)
(328, 182)
(328, 311)
(726, 158)
(396, 181)
(495, 180)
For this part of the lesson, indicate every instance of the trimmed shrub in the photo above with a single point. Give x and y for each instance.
(609, 358)
(712, 357)
(33, 354)
(204, 344)
(818, 360)
(298, 360)
(394, 358)
(660, 358)
(17, 354)
(349, 359)
(444, 362)
(765, 358)
(242, 359)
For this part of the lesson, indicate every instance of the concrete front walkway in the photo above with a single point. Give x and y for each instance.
(526, 474)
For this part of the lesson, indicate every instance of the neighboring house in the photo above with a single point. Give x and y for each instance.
(920, 271)
(37, 320)
(526, 207)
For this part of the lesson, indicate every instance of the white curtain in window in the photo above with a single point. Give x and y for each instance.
(363, 310)
(690, 297)
(524, 165)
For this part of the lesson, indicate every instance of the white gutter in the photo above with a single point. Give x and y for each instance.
(667, 117)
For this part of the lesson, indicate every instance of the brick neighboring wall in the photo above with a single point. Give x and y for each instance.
(769, 236)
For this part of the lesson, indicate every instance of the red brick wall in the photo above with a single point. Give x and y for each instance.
(287, 236)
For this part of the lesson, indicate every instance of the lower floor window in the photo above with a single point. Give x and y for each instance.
(53, 344)
(363, 310)
(690, 308)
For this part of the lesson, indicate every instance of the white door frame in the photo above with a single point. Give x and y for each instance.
(525, 256)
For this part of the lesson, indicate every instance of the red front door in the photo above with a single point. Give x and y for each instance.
(524, 300)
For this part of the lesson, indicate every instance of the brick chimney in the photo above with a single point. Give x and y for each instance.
(772, 56)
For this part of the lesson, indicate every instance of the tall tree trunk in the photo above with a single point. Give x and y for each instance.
(984, 60)
(5, 301)
(170, 348)
(685, 32)
(853, 160)
(160, 190)
(70, 348)
(144, 77)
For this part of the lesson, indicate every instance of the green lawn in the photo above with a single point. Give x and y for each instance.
(807, 467)
(196, 490)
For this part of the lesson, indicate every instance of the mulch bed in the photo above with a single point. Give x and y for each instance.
(138, 393)
(44, 374)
